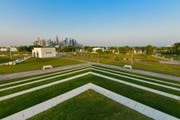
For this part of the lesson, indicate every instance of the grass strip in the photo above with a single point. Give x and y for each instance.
(44, 77)
(140, 75)
(16, 104)
(25, 87)
(167, 90)
(35, 77)
(159, 82)
(84, 106)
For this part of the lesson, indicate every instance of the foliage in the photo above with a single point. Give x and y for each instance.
(150, 49)
(26, 48)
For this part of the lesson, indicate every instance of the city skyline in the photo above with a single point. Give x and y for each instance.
(91, 22)
(57, 42)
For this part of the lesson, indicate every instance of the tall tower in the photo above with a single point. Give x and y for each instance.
(38, 38)
(57, 40)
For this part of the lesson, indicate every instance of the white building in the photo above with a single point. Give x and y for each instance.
(13, 49)
(94, 50)
(4, 49)
(44, 52)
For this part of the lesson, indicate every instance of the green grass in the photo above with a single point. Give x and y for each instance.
(175, 57)
(84, 106)
(4, 59)
(166, 90)
(145, 77)
(168, 69)
(141, 57)
(164, 104)
(36, 77)
(14, 90)
(35, 64)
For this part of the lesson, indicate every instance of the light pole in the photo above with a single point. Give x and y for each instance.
(132, 56)
(10, 53)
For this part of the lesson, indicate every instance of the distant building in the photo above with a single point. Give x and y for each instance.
(94, 50)
(56, 42)
(44, 52)
(137, 51)
(13, 49)
(4, 49)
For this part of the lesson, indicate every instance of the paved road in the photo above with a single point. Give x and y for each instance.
(37, 72)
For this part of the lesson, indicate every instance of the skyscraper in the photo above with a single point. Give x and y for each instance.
(57, 40)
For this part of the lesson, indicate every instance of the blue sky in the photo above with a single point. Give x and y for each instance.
(91, 22)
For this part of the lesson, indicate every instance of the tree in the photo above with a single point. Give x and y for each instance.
(26, 48)
(99, 51)
(176, 48)
(124, 49)
(149, 49)
(88, 48)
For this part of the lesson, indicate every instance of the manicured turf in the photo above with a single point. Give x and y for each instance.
(171, 83)
(90, 106)
(35, 64)
(175, 57)
(35, 77)
(146, 65)
(167, 90)
(142, 75)
(4, 59)
(156, 101)
(14, 90)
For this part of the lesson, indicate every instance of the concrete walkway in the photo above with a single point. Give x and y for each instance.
(37, 72)
(142, 72)
(134, 70)
(139, 107)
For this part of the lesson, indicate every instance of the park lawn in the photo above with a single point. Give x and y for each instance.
(175, 57)
(32, 78)
(35, 64)
(163, 89)
(24, 101)
(90, 106)
(25, 87)
(168, 69)
(139, 76)
(4, 59)
(142, 57)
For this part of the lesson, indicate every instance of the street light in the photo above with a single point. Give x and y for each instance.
(10, 53)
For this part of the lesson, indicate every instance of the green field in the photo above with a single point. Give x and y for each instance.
(175, 57)
(35, 64)
(26, 100)
(146, 63)
(4, 59)
(90, 106)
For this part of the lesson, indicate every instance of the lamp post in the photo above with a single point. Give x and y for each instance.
(132, 56)
(10, 53)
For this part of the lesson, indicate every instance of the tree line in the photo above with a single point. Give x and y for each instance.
(149, 49)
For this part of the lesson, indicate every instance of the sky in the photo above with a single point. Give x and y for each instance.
(91, 22)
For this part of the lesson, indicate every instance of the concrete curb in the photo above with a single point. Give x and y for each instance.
(143, 109)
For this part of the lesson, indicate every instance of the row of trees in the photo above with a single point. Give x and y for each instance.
(26, 48)
(63, 49)
(149, 49)
(174, 49)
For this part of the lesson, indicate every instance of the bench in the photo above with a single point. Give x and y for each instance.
(45, 67)
(127, 67)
